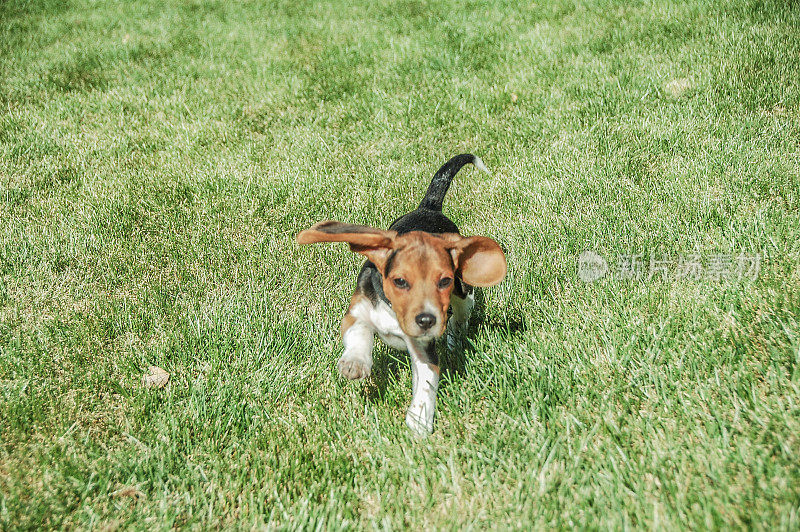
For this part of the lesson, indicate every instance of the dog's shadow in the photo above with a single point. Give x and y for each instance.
(388, 362)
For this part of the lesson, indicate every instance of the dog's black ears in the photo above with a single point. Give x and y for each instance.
(374, 244)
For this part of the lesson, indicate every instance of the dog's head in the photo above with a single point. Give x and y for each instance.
(418, 268)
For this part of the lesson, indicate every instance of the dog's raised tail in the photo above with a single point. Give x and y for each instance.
(434, 197)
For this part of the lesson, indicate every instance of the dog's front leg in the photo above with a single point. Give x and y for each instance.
(358, 338)
(424, 384)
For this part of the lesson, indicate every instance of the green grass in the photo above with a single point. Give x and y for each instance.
(157, 159)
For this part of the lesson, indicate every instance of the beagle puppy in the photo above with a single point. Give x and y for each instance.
(414, 272)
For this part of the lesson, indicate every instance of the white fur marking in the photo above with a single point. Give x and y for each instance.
(479, 164)
(358, 340)
(457, 325)
(424, 385)
(462, 308)
(382, 320)
(356, 361)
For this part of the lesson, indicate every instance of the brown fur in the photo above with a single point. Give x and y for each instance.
(422, 260)
(347, 322)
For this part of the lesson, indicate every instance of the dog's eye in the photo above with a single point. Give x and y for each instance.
(399, 282)
(444, 282)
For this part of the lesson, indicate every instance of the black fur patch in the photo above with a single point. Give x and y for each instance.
(441, 181)
(389, 263)
(430, 352)
(427, 217)
(424, 220)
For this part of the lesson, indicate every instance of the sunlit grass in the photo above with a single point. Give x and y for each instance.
(157, 158)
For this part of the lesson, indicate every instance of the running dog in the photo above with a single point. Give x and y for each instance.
(414, 272)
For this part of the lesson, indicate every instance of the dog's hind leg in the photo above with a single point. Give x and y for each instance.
(462, 302)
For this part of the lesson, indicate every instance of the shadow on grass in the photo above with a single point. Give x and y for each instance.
(453, 362)
(385, 373)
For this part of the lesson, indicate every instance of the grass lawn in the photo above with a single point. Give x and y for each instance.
(157, 159)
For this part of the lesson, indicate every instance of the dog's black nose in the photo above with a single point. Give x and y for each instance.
(425, 320)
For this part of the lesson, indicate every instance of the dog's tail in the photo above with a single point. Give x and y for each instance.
(441, 181)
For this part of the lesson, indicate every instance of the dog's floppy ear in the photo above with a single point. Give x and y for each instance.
(478, 260)
(375, 244)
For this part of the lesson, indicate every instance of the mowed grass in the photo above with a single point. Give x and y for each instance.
(157, 159)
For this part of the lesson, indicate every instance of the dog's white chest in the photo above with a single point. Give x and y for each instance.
(384, 321)
(388, 328)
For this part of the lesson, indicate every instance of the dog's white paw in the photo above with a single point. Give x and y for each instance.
(420, 420)
(354, 369)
